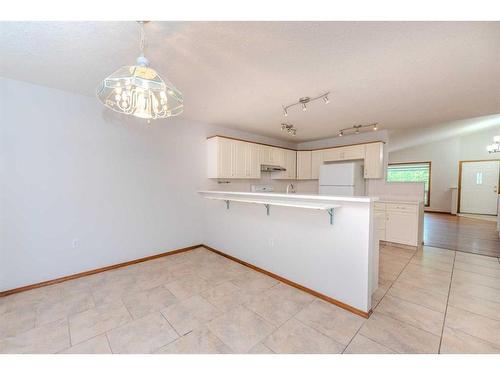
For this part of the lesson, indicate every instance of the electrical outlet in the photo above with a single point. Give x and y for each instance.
(75, 243)
(271, 242)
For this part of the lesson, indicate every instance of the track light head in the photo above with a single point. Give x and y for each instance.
(304, 107)
(375, 127)
(285, 112)
(341, 133)
(325, 99)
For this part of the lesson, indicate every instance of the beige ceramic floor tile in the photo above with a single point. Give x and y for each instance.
(188, 286)
(46, 339)
(363, 345)
(479, 260)
(190, 314)
(383, 287)
(17, 321)
(412, 293)
(54, 310)
(200, 341)
(425, 282)
(474, 325)
(482, 270)
(399, 336)
(254, 281)
(429, 262)
(396, 251)
(144, 335)
(279, 303)
(332, 321)
(226, 296)
(96, 345)
(294, 337)
(413, 314)
(113, 288)
(474, 290)
(392, 268)
(240, 329)
(457, 342)
(96, 321)
(150, 279)
(260, 348)
(476, 305)
(475, 278)
(436, 251)
(144, 302)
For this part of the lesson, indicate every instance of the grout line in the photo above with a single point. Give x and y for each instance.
(446, 308)
(109, 344)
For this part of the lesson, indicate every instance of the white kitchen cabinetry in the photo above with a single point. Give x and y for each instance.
(229, 158)
(316, 161)
(374, 160)
(400, 223)
(252, 159)
(304, 165)
(272, 155)
(290, 162)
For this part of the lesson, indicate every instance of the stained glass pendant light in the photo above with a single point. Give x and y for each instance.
(139, 91)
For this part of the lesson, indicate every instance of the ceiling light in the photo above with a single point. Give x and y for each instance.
(304, 101)
(356, 129)
(139, 91)
(289, 128)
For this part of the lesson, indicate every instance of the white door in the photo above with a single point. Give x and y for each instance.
(479, 187)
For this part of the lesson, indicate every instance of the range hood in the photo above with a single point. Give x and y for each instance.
(271, 168)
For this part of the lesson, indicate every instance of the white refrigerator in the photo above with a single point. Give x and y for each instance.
(342, 179)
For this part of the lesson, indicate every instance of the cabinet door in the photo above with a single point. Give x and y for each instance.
(304, 165)
(278, 156)
(265, 154)
(331, 154)
(252, 159)
(401, 227)
(291, 163)
(352, 152)
(316, 161)
(224, 158)
(374, 160)
(239, 159)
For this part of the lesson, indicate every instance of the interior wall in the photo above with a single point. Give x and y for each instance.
(83, 187)
(445, 156)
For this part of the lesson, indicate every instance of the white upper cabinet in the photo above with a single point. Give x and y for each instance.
(230, 158)
(316, 161)
(252, 159)
(304, 165)
(374, 160)
(290, 162)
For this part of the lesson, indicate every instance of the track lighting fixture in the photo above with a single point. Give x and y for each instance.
(304, 101)
(289, 128)
(356, 129)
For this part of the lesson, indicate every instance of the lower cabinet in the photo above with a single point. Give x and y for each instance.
(399, 223)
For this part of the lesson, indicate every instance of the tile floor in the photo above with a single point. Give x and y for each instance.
(429, 301)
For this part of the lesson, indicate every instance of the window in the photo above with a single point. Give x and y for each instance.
(412, 172)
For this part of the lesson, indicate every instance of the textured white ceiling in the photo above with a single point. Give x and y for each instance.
(239, 74)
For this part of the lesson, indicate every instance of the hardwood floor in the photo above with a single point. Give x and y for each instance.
(461, 233)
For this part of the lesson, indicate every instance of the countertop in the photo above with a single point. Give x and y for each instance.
(289, 197)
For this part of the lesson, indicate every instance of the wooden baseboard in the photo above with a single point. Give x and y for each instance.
(400, 245)
(293, 284)
(438, 212)
(94, 271)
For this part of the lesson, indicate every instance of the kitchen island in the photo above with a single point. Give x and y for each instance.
(324, 245)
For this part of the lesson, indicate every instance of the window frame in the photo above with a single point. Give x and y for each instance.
(430, 176)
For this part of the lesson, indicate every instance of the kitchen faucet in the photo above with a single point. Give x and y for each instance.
(290, 189)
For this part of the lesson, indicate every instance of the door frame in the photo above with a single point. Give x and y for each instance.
(459, 198)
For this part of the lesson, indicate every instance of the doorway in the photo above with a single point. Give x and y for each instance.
(478, 187)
